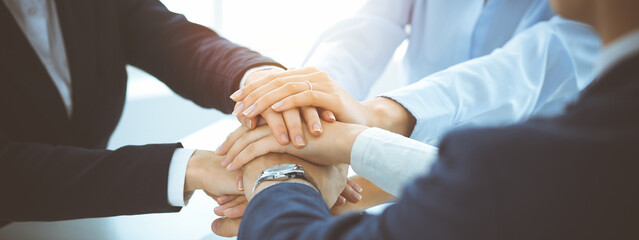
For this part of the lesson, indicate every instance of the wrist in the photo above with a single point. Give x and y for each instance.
(345, 143)
(388, 114)
(267, 184)
(194, 172)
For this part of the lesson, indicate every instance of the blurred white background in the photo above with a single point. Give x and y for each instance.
(284, 30)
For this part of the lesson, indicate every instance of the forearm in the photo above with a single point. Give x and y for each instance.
(534, 73)
(321, 174)
(57, 182)
(191, 59)
(389, 115)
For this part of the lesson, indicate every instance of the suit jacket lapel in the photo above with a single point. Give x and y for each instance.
(20, 63)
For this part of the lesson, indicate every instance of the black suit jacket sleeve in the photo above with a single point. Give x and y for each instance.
(42, 182)
(191, 59)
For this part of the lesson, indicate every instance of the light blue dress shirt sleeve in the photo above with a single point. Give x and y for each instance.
(355, 51)
(390, 160)
(537, 72)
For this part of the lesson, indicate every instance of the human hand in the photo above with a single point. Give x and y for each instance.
(204, 171)
(232, 209)
(287, 125)
(332, 148)
(372, 197)
(226, 227)
(301, 88)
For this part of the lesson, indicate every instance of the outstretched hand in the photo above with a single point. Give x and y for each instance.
(332, 148)
(286, 125)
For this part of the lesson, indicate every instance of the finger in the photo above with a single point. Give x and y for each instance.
(240, 182)
(354, 185)
(275, 121)
(244, 140)
(230, 140)
(312, 120)
(279, 88)
(226, 227)
(351, 195)
(293, 122)
(237, 109)
(326, 115)
(341, 201)
(258, 148)
(224, 199)
(219, 210)
(327, 101)
(262, 98)
(236, 211)
(241, 94)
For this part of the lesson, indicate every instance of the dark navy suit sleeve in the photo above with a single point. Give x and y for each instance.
(569, 177)
(452, 202)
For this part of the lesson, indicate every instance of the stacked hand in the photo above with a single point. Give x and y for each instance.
(274, 107)
(285, 124)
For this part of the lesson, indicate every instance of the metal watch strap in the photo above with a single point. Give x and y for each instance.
(287, 173)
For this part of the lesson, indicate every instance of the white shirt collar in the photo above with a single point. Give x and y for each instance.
(619, 50)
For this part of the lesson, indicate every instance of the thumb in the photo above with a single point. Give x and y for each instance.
(226, 227)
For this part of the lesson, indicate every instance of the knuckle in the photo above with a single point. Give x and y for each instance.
(290, 87)
(281, 81)
(311, 68)
(323, 75)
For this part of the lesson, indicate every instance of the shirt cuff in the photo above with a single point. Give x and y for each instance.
(430, 108)
(390, 160)
(255, 69)
(177, 176)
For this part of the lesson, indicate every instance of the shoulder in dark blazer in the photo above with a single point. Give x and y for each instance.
(568, 177)
(53, 167)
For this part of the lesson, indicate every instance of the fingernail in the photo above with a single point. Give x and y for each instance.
(332, 116)
(249, 123)
(218, 208)
(238, 109)
(218, 148)
(229, 166)
(249, 110)
(236, 94)
(357, 187)
(356, 195)
(240, 185)
(225, 161)
(300, 141)
(216, 225)
(226, 211)
(284, 137)
(277, 105)
(317, 127)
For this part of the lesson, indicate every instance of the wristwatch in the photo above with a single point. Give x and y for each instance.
(284, 172)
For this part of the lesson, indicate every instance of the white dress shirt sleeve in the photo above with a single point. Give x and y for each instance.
(535, 73)
(177, 176)
(355, 52)
(390, 160)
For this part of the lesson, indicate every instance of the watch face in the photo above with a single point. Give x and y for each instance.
(279, 168)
